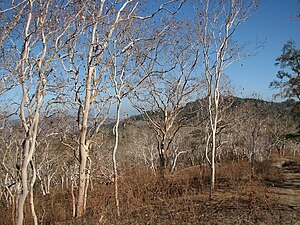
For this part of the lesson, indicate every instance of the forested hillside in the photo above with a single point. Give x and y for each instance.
(251, 132)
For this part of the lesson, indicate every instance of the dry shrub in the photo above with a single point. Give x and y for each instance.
(139, 187)
(266, 171)
(177, 198)
(6, 215)
(233, 173)
(150, 199)
(53, 208)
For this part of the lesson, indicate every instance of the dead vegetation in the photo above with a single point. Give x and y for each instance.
(179, 198)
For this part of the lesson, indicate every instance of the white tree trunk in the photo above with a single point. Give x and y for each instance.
(114, 157)
(33, 179)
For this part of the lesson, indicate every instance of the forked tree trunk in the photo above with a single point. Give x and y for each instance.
(28, 153)
(26, 144)
(84, 145)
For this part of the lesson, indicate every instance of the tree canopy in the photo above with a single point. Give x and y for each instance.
(289, 76)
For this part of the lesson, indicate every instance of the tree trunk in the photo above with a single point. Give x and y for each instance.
(33, 179)
(24, 190)
(212, 168)
(162, 159)
(28, 153)
(114, 159)
(84, 145)
(73, 197)
(83, 154)
(82, 180)
(87, 182)
(214, 116)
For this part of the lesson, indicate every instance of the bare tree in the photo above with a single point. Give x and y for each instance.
(258, 127)
(126, 69)
(216, 24)
(33, 41)
(85, 62)
(11, 139)
(161, 98)
(86, 59)
(11, 17)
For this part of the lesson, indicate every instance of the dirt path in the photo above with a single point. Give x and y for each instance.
(288, 188)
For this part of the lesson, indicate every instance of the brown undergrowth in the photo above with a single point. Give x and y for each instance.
(178, 198)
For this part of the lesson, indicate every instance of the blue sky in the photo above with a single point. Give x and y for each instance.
(272, 24)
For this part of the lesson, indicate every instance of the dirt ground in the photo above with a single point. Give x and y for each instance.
(272, 200)
(287, 190)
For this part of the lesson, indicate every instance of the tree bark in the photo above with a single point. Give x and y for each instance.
(114, 158)
(83, 143)
(33, 179)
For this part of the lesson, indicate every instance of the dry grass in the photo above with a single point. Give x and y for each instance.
(180, 198)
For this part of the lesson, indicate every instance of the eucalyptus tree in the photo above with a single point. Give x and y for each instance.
(10, 141)
(162, 96)
(127, 55)
(216, 24)
(122, 72)
(88, 60)
(10, 17)
(31, 42)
